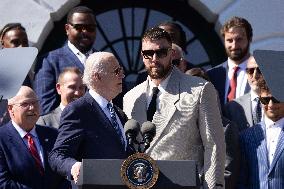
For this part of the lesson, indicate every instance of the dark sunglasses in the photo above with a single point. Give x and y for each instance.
(160, 53)
(86, 27)
(266, 100)
(250, 71)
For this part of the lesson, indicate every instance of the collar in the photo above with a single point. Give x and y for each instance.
(62, 106)
(23, 132)
(162, 86)
(253, 95)
(242, 65)
(76, 51)
(268, 122)
(99, 99)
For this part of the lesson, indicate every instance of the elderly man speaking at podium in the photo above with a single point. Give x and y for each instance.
(91, 127)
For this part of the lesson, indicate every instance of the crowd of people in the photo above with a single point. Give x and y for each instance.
(229, 119)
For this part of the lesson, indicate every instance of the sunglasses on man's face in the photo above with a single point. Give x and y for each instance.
(160, 53)
(266, 100)
(84, 27)
(250, 71)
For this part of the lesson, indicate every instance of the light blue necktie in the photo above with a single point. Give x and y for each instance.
(115, 124)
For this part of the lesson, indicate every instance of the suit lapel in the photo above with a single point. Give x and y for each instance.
(140, 105)
(279, 150)
(73, 58)
(167, 106)
(248, 110)
(259, 135)
(17, 143)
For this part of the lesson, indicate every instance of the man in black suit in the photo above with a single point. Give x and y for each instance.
(24, 146)
(90, 128)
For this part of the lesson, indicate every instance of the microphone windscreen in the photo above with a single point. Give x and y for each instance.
(132, 126)
(149, 128)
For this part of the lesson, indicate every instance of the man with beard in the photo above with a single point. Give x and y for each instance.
(70, 87)
(230, 78)
(246, 111)
(183, 109)
(81, 32)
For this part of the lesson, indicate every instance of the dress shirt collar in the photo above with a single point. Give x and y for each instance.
(22, 132)
(242, 66)
(79, 54)
(162, 86)
(99, 99)
(269, 123)
(253, 95)
(62, 106)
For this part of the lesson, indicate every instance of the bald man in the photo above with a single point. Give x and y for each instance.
(24, 146)
(87, 129)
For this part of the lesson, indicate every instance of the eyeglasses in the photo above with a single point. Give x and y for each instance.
(266, 100)
(250, 71)
(26, 105)
(161, 53)
(118, 71)
(86, 27)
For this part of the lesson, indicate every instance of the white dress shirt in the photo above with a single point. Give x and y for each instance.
(82, 57)
(23, 133)
(162, 88)
(273, 130)
(103, 105)
(241, 78)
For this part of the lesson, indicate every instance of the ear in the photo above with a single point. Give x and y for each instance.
(97, 76)
(67, 27)
(58, 88)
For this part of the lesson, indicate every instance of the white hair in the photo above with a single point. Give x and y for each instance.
(95, 64)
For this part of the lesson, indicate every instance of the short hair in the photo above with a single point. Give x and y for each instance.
(79, 9)
(156, 33)
(68, 70)
(235, 22)
(263, 87)
(182, 42)
(10, 26)
(198, 72)
(95, 64)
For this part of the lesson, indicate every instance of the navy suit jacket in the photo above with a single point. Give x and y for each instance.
(46, 78)
(17, 166)
(85, 132)
(255, 169)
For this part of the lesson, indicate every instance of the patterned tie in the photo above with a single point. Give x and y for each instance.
(233, 84)
(115, 124)
(34, 152)
(152, 106)
(257, 114)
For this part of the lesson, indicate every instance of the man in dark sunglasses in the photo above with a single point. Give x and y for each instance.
(81, 32)
(246, 110)
(262, 145)
(183, 109)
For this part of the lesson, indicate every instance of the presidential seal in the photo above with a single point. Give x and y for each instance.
(139, 171)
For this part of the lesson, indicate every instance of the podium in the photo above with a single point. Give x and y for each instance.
(105, 174)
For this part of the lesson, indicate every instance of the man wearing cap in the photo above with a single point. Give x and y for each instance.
(262, 145)
(230, 78)
(246, 110)
(24, 146)
(81, 32)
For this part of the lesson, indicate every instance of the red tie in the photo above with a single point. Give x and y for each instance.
(233, 85)
(34, 152)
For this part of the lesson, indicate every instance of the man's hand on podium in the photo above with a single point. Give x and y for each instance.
(75, 171)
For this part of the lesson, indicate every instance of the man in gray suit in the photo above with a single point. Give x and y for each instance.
(185, 111)
(243, 110)
(70, 87)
